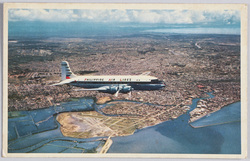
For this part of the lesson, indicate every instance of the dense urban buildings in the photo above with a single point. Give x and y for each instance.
(190, 65)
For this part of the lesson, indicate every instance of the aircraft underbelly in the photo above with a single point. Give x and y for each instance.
(146, 87)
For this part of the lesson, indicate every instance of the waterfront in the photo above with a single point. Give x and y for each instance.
(173, 136)
(37, 131)
(177, 136)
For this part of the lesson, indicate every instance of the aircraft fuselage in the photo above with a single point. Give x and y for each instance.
(109, 83)
(135, 82)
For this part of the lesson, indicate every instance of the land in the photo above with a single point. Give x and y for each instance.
(118, 122)
(92, 124)
(190, 65)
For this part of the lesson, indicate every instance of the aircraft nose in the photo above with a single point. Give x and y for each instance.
(163, 84)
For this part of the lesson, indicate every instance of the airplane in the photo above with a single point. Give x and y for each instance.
(113, 84)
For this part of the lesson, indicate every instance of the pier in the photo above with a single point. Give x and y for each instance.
(106, 146)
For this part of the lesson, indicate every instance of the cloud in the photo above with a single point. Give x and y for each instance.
(40, 15)
(133, 16)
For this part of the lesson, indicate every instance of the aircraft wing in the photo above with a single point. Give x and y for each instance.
(146, 73)
(104, 88)
(66, 81)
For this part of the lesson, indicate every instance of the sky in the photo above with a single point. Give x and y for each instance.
(226, 17)
(157, 19)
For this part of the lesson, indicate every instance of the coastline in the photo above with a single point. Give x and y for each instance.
(222, 116)
(115, 123)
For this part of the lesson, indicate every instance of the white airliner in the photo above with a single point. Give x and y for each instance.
(109, 83)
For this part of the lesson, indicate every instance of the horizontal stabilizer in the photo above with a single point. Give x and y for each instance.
(66, 81)
(146, 73)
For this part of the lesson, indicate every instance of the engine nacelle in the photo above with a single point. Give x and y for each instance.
(120, 88)
(112, 89)
(126, 89)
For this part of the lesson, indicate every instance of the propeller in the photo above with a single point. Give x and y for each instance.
(130, 94)
(117, 92)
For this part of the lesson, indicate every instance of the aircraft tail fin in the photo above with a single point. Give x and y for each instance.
(66, 72)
